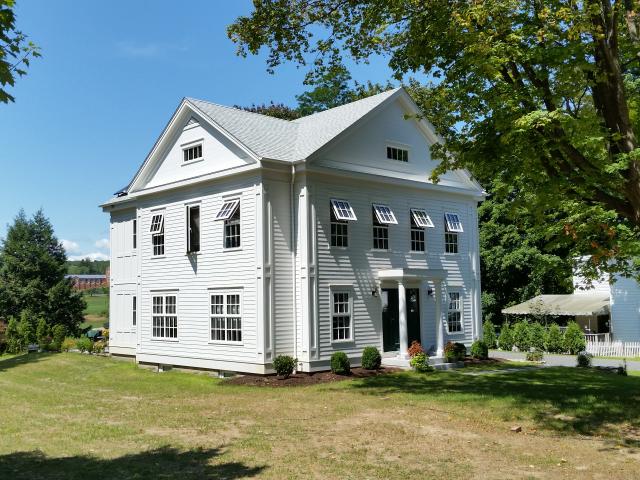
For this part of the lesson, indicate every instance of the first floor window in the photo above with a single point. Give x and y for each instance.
(193, 228)
(450, 242)
(226, 317)
(165, 316)
(341, 317)
(339, 232)
(417, 237)
(454, 313)
(134, 310)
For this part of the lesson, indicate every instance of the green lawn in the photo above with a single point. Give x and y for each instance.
(96, 312)
(72, 416)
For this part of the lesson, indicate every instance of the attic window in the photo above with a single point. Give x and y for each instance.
(400, 154)
(192, 153)
(453, 223)
(228, 209)
(384, 215)
(421, 219)
(157, 224)
(343, 211)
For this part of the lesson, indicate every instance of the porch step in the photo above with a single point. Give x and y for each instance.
(436, 362)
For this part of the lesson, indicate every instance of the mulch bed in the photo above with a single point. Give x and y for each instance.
(301, 379)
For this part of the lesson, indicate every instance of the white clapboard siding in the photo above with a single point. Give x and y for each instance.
(614, 349)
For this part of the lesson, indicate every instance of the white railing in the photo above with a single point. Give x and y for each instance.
(597, 337)
(613, 349)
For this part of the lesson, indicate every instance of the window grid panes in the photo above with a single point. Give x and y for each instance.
(342, 210)
(450, 242)
(193, 153)
(134, 310)
(158, 243)
(165, 316)
(339, 232)
(157, 223)
(380, 234)
(232, 231)
(227, 210)
(226, 317)
(341, 317)
(417, 237)
(135, 234)
(453, 223)
(384, 214)
(400, 154)
(454, 314)
(420, 218)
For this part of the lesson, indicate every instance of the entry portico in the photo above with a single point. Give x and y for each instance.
(421, 279)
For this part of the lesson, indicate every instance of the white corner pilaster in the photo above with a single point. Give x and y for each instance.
(402, 320)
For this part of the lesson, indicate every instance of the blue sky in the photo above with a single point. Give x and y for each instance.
(111, 75)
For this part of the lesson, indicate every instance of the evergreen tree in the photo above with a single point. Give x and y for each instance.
(554, 341)
(489, 334)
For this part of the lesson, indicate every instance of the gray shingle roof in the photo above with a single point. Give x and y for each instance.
(277, 139)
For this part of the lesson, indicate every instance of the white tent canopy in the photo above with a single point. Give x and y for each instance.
(571, 304)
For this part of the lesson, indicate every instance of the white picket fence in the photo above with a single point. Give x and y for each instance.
(614, 349)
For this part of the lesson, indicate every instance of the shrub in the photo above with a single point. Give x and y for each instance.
(105, 335)
(371, 358)
(480, 350)
(15, 341)
(98, 347)
(553, 340)
(454, 352)
(574, 339)
(420, 363)
(415, 349)
(584, 359)
(340, 363)
(284, 365)
(521, 338)
(84, 344)
(505, 340)
(59, 332)
(489, 334)
(537, 336)
(42, 333)
(68, 344)
(534, 355)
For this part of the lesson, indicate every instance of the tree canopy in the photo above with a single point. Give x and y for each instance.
(542, 94)
(15, 50)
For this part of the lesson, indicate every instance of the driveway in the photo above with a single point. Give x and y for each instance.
(564, 360)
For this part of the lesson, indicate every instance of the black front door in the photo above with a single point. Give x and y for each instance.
(390, 321)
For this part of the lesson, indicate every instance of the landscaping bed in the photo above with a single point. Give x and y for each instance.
(300, 379)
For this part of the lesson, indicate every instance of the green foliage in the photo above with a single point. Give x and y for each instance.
(284, 365)
(15, 340)
(479, 350)
(521, 336)
(584, 359)
(87, 267)
(505, 340)
(340, 364)
(43, 332)
(534, 356)
(84, 344)
(371, 358)
(537, 336)
(277, 110)
(489, 334)
(98, 347)
(27, 327)
(454, 352)
(68, 344)
(58, 332)
(574, 341)
(554, 341)
(420, 363)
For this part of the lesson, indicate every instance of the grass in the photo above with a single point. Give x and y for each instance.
(72, 416)
(95, 313)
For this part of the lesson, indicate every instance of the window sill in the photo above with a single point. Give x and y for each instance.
(192, 254)
(381, 250)
(170, 340)
(455, 333)
(190, 162)
(154, 257)
(451, 254)
(342, 342)
(232, 249)
(223, 342)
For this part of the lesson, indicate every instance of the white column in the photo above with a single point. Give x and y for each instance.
(402, 319)
(439, 320)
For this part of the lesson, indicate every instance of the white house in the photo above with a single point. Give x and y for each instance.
(243, 237)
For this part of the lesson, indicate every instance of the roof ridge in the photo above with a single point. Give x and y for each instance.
(191, 99)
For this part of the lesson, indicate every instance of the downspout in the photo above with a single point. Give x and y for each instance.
(293, 263)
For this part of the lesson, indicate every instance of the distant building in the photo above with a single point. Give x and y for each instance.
(86, 282)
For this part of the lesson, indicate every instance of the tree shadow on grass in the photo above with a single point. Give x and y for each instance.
(162, 463)
(7, 362)
(563, 399)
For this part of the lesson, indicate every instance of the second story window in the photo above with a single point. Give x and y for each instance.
(192, 153)
(134, 310)
(135, 234)
(453, 227)
(193, 228)
(230, 213)
(419, 221)
(341, 215)
(383, 216)
(400, 154)
(157, 234)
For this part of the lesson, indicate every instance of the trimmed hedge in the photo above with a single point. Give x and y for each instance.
(340, 364)
(284, 365)
(371, 358)
(480, 350)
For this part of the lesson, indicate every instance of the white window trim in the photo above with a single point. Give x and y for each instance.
(348, 289)
(429, 223)
(457, 243)
(460, 309)
(398, 146)
(187, 210)
(165, 293)
(224, 225)
(160, 224)
(384, 226)
(192, 144)
(337, 213)
(224, 292)
(230, 212)
(377, 207)
(449, 227)
(160, 231)
(338, 222)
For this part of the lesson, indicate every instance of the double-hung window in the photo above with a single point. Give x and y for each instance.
(134, 310)
(453, 227)
(135, 234)
(230, 214)
(193, 228)
(157, 234)
(164, 316)
(341, 214)
(341, 317)
(383, 216)
(226, 317)
(419, 221)
(454, 313)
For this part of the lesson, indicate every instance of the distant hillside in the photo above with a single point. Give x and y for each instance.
(87, 267)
